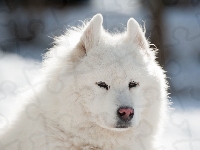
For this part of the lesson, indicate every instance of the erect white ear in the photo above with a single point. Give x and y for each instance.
(92, 32)
(136, 35)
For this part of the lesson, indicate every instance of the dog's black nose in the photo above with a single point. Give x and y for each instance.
(125, 113)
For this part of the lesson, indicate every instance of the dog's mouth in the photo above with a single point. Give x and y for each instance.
(123, 124)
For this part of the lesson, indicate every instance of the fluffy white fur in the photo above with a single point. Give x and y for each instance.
(69, 111)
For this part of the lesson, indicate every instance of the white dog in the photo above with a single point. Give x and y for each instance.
(100, 91)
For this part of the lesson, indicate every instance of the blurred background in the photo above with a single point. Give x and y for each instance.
(27, 28)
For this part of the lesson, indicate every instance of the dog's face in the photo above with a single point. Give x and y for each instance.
(116, 83)
(115, 79)
(115, 93)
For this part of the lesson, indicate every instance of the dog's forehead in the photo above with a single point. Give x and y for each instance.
(113, 59)
(108, 54)
(110, 70)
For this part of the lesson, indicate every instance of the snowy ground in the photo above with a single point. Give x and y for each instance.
(182, 131)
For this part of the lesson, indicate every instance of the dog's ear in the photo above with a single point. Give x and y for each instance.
(136, 35)
(92, 32)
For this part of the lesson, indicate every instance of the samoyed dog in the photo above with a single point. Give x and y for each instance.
(99, 91)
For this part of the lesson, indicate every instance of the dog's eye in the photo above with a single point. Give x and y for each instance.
(133, 84)
(103, 85)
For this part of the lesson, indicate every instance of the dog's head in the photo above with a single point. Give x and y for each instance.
(116, 78)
